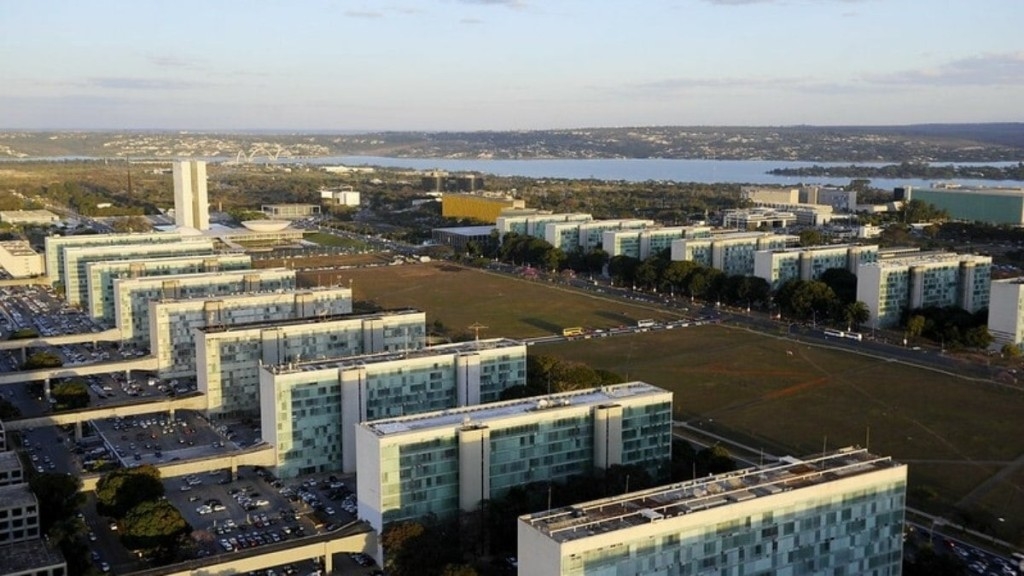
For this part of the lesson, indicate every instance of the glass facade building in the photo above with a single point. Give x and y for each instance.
(441, 463)
(56, 245)
(228, 358)
(377, 386)
(731, 252)
(780, 266)
(841, 514)
(642, 244)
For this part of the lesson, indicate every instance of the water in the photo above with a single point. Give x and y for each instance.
(645, 169)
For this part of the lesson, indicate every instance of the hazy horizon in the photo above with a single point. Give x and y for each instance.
(327, 66)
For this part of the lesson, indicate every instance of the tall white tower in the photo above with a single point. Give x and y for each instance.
(191, 205)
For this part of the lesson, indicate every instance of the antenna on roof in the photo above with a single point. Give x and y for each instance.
(476, 327)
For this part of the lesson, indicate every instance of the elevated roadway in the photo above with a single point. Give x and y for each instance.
(355, 537)
(46, 374)
(112, 335)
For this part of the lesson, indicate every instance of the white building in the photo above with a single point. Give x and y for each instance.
(228, 358)
(440, 463)
(344, 196)
(907, 282)
(40, 217)
(839, 513)
(732, 253)
(56, 245)
(780, 266)
(19, 259)
(647, 242)
(1006, 311)
(171, 322)
(587, 235)
(191, 204)
(530, 222)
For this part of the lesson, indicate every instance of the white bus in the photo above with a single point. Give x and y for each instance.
(841, 334)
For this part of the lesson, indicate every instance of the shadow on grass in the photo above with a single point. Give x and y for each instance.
(618, 317)
(543, 325)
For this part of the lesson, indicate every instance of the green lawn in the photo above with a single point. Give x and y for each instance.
(324, 239)
(763, 390)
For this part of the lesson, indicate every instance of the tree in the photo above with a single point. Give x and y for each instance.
(805, 299)
(842, 282)
(1010, 350)
(131, 224)
(622, 269)
(811, 237)
(70, 395)
(458, 570)
(396, 539)
(125, 488)
(59, 495)
(152, 524)
(40, 360)
(855, 314)
(677, 272)
(915, 325)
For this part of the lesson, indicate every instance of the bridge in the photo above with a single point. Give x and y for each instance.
(111, 335)
(47, 374)
(354, 537)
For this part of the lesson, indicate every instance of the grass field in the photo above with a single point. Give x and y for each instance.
(332, 240)
(956, 435)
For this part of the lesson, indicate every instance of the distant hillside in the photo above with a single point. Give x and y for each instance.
(888, 144)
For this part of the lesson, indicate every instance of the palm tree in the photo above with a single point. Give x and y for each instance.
(856, 313)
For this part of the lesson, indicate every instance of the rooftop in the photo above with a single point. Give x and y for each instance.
(18, 248)
(9, 461)
(266, 296)
(235, 275)
(29, 556)
(353, 361)
(925, 258)
(628, 510)
(956, 188)
(822, 248)
(16, 496)
(473, 415)
(319, 320)
(467, 230)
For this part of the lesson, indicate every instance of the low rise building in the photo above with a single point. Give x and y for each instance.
(290, 211)
(343, 196)
(459, 237)
(10, 469)
(838, 513)
(19, 259)
(19, 514)
(993, 205)
(480, 207)
(441, 463)
(132, 296)
(22, 217)
(309, 410)
(228, 358)
(172, 322)
(32, 558)
(919, 280)
(780, 266)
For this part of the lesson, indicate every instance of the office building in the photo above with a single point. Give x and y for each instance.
(732, 252)
(343, 196)
(10, 469)
(758, 195)
(441, 181)
(228, 358)
(290, 211)
(530, 222)
(974, 204)
(908, 282)
(647, 242)
(460, 237)
(780, 266)
(100, 276)
(309, 411)
(1006, 311)
(481, 207)
(32, 558)
(19, 514)
(19, 259)
(132, 296)
(29, 217)
(839, 199)
(839, 513)
(171, 322)
(771, 216)
(587, 235)
(76, 279)
(191, 204)
(441, 463)
(54, 246)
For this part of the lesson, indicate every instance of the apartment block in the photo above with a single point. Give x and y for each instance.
(101, 275)
(440, 463)
(76, 279)
(924, 279)
(839, 513)
(19, 514)
(731, 252)
(642, 244)
(310, 411)
(171, 322)
(228, 358)
(132, 296)
(1006, 311)
(780, 266)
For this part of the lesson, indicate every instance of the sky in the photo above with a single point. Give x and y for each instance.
(446, 65)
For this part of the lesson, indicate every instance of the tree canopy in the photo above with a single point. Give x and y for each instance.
(125, 488)
(152, 524)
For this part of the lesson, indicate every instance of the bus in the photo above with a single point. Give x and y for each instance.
(574, 331)
(841, 334)
(645, 323)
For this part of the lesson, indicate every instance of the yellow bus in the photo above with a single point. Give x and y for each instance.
(574, 331)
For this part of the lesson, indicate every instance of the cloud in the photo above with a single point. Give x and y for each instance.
(162, 61)
(363, 14)
(515, 4)
(471, 21)
(1005, 69)
(681, 84)
(125, 83)
(747, 2)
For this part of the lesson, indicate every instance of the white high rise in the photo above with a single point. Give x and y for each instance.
(191, 205)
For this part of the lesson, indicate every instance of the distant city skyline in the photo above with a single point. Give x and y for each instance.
(334, 65)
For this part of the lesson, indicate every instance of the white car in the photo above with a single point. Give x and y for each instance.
(204, 509)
